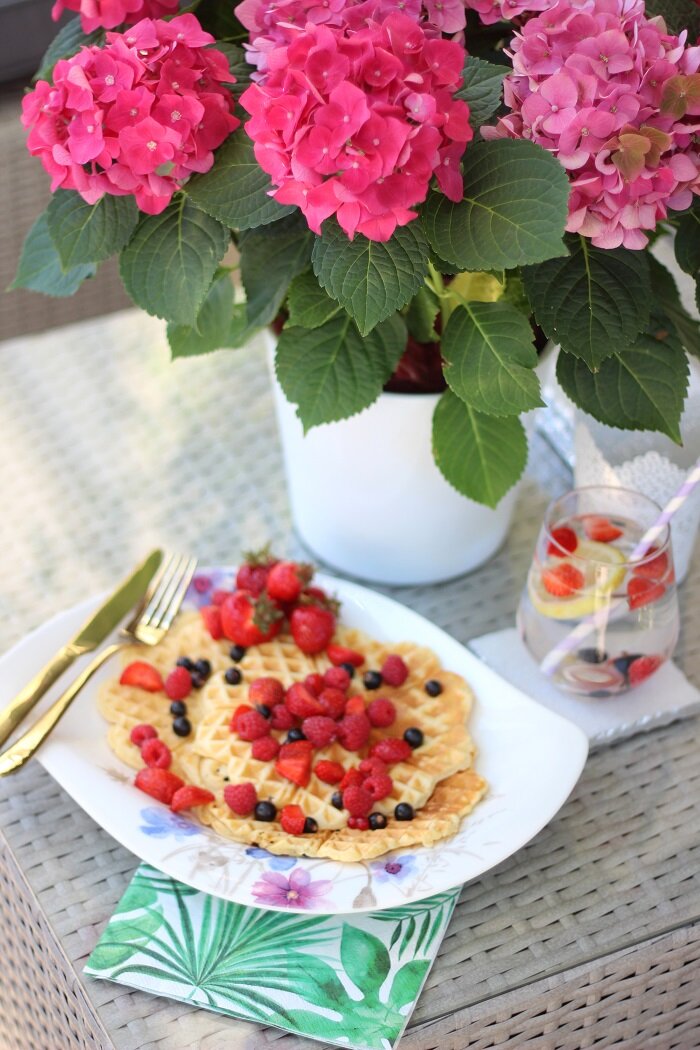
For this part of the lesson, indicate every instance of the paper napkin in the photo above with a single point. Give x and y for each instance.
(666, 696)
(350, 980)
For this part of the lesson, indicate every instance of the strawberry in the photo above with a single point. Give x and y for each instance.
(641, 668)
(332, 702)
(357, 801)
(294, 762)
(188, 796)
(249, 621)
(381, 712)
(292, 820)
(241, 798)
(329, 772)
(355, 705)
(314, 683)
(286, 580)
(178, 683)
(282, 717)
(251, 725)
(379, 785)
(211, 614)
(301, 702)
(337, 678)
(394, 671)
(141, 733)
(241, 710)
(252, 575)
(142, 675)
(391, 749)
(340, 654)
(563, 541)
(218, 595)
(158, 783)
(643, 591)
(655, 568)
(268, 691)
(312, 627)
(265, 748)
(320, 730)
(353, 776)
(156, 754)
(563, 580)
(353, 732)
(600, 529)
(358, 823)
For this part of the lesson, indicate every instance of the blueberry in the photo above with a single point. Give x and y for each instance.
(178, 708)
(350, 668)
(432, 688)
(372, 679)
(592, 656)
(182, 726)
(236, 652)
(264, 710)
(197, 680)
(184, 661)
(233, 676)
(202, 667)
(265, 811)
(622, 663)
(337, 799)
(404, 811)
(414, 737)
(310, 826)
(294, 734)
(377, 821)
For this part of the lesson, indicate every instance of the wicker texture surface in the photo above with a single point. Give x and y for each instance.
(587, 937)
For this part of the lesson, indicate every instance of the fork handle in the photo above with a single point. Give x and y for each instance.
(18, 753)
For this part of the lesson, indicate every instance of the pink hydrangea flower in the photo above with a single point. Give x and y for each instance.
(137, 116)
(616, 98)
(106, 14)
(355, 122)
(490, 11)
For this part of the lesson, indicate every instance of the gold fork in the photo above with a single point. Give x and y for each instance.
(149, 625)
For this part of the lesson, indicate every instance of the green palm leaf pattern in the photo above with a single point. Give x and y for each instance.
(351, 980)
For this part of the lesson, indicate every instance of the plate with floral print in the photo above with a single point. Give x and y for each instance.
(530, 756)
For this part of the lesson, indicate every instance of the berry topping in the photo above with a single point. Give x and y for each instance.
(218, 595)
(413, 737)
(156, 754)
(639, 670)
(265, 748)
(178, 683)
(182, 726)
(268, 691)
(332, 702)
(286, 580)
(379, 785)
(266, 811)
(251, 725)
(314, 683)
(312, 627)
(202, 667)
(349, 668)
(353, 732)
(292, 820)
(372, 679)
(143, 676)
(394, 671)
(381, 712)
(320, 730)
(198, 680)
(592, 656)
(433, 687)
(377, 821)
(370, 766)
(642, 591)
(563, 580)
(295, 734)
(340, 654)
(302, 702)
(329, 772)
(310, 826)
(282, 717)
(563, 541)
(188, 796)
(355, 705)
(357, 801)
(404, 811)
(241, 798)
(253, 573)
(241, 710)
(600, 529)
(177, 708)
(391, 750)
(337, 800)
(337, 678)
(294, 762)
(264, 710)
(139, 734)
(358, 823)
(250, 621)
(655, 568)
(184, 661)
(622, 663)
(158, 783)
(211, 614)
(353, 776)
(233, 676)
(236, 652)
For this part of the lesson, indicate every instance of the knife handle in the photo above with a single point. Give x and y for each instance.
(22, 704)
(23, 749)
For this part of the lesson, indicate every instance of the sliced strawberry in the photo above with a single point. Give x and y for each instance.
(563, 580)
(142, 675)
(211, 614)
(188, 796)
(294, 762)
(158, 783)
(302, 702)
(355, 705)
(563, 541)
(340, 654)
(601, 530)
(655, 568)
(642, 591)
(642, 668)
(242, 709)
(292, 820)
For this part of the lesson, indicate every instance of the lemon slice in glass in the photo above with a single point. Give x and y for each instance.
(602, 567)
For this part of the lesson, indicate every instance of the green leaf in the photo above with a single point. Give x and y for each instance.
(333, 372)
(420, 316)
(371, 279)
(678, 15)
(592, 302)
(365, 960)
(408, 982)
(687, 243)
(669, 303)
(169, 263)
(642, 387)
(271, 257)
(39, 267)
(481, 456)
(68, 40)
(514, 209)
(483, 83)
(215, 327)
(235, 190)
(308, 304)
(89, 232)
(490, 358)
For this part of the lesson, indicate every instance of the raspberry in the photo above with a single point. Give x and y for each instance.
(391, 750)
(379, 786)
(142, 675)
(268, 691)
(301, 702)
(370, 766)
(329, 772)
(353, 776)
(292, 820)
(340, 654)
(188, 796)
(642, 668)
(282, 717)
(241, 710)
(394, 670)
(563, 580)
(265, 748)
(355, 705)
(251, 726)
(241, 798)
(156, 754)
(320, 730)
(357, 801)
(353, 732)
(564, 541)
(158, 783)
(358, 823)
(314, 683)
(337, 678)
(211, 614)
(178, 684)
(381, 712)
(332, 702)
(139, 734)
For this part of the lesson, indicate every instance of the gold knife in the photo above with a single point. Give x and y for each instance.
(88, 637)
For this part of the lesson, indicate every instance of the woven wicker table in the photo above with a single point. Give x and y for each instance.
(590, 936)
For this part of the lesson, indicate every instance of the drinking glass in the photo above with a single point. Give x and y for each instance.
(583, 573)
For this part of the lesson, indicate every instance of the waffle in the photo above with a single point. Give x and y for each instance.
(435, 780)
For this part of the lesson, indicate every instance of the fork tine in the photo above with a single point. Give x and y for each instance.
(153, 587)
(169, 613)
(161, 600)
(163, 587)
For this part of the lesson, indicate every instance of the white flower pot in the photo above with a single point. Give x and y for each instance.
(367, 498)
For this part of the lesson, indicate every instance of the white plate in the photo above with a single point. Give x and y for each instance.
(530, 757)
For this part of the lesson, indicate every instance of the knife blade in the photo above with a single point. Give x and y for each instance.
(95, 629)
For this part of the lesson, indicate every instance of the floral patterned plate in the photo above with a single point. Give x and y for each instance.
(530, 756)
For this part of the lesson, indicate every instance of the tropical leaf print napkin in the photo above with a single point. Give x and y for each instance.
(352, 980)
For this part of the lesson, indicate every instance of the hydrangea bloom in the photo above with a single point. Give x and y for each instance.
(137, 116)
(617, 99)
(490, 11)
(106, 14)
(356, 122)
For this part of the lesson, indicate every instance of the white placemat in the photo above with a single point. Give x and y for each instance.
(666, 696)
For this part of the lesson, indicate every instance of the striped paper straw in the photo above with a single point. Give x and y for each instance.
(600, 617)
